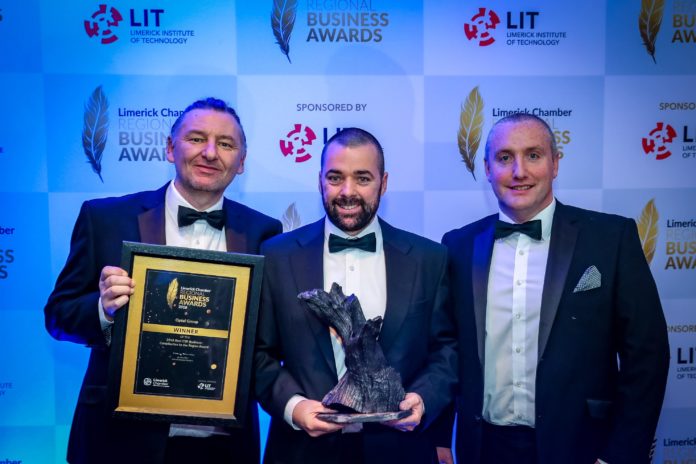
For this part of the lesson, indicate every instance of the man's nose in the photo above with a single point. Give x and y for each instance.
(210, 150)
(519, 168)
(348, 187)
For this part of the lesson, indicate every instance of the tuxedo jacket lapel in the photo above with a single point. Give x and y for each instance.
(564, 234)
(235, 232)
(151, 223)
(307, 264)
(400, 275)
(480, 268)
(151, 220)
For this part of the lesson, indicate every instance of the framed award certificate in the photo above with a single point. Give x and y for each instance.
(182, 349)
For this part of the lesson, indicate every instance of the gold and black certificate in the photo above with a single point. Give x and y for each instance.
(184, 335)
(182, 349)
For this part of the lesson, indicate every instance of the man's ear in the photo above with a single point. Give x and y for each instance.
(240, 169)
(170, 149)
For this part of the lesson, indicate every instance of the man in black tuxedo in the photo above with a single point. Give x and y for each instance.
(208, 147)
(563, 343)
(395, 274)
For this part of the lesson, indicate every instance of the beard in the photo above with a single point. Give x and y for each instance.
(360, 216)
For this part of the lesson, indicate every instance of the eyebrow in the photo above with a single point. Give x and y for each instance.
(201, 132)
(526, 150)
(363, 172)
(360, 172)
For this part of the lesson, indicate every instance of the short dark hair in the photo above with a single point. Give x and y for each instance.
(355, 137)
(522, 117)
(209, 103)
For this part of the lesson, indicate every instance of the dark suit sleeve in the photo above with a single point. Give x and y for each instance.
(641, 338)
(436, 383)
(71, 312)
(441, 428)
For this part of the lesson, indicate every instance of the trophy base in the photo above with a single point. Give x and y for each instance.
(355, 418)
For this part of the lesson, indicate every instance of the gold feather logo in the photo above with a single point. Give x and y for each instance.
(172, 292)
(649, 23)
(647, 229)
(470, 124)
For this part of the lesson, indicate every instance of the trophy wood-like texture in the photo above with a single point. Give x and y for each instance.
(369, 385)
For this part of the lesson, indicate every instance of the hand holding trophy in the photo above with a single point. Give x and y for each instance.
(370, 391)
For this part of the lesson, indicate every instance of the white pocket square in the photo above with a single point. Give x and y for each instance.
(590, 279)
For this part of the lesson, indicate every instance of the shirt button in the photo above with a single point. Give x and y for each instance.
(518, 349)
(518, 384)
(519, 282)
(352, 268)
(518, 315)
(521, 252)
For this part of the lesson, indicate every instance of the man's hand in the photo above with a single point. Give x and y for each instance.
(115, 289)
(444, 455)
(304, 416)
(414, 403)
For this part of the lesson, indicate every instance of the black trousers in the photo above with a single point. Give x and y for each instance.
(208, 450)
(513, 444)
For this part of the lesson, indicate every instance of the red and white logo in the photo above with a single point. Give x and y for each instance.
(102, 23)
(480, 26)
(297, 143)
(657, 140)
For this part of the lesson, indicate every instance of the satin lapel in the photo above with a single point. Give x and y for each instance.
(480, 268)
(401, 274)
(563, 237)
(307, 263)
(151, 221)
(235, 234)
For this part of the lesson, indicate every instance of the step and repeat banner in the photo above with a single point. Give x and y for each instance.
(616, 80)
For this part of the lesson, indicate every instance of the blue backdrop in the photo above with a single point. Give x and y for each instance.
(614, 79)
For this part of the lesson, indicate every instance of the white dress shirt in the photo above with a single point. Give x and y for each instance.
(358, 272)
(200, 234)
(515, 286)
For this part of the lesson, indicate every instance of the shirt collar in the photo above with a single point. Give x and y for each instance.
(372, 227)
(545, 216)
(173, 199)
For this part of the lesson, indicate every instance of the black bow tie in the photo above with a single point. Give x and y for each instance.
(366, 242)
(531, 228)
(188, 216)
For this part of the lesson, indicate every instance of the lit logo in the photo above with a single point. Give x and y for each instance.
(297, 142)
(147, 381)
(480, 26)
(657, 140)
(102, 23)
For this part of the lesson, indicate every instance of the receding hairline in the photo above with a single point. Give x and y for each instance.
(352, 137)
(210, 104)
(520, 119)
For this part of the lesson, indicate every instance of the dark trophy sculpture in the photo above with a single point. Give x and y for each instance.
(370, 391)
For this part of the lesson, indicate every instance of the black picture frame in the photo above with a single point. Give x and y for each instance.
(182, 348)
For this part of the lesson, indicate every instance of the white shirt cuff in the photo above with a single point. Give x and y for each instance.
(290, 407)
(105, 323)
